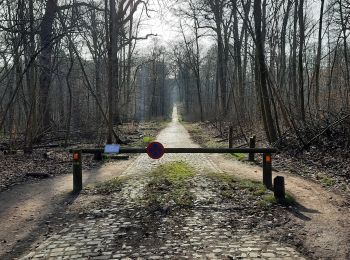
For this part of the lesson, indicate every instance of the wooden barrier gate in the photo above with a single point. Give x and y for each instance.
(266, 152)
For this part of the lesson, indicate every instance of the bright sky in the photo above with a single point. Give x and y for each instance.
(161, 22)
(166, 25)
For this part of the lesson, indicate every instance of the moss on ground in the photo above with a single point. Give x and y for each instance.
(150, 130)
(170, 186)
(239, 156)
(200, 136)
(108, 187)
(326, 180)
(269, 199)
(228, 184)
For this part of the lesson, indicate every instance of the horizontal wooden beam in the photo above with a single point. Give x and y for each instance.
(184, 150)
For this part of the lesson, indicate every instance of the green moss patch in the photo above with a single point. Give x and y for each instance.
(325, 180)
(239, 156)
(170, 186)
(269, 199)
(108, 187)
(228, 185)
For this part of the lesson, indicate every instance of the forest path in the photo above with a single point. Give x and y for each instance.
(126, 229)
(24, 208)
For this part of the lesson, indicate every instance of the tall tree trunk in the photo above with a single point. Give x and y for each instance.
(264, 93)
(221, 79)
(283, 45)
(31, 82)
(129, 60)
(238, 63)
(301, 66)
(113, 66)
(294, 56)
(345, 46)
(318, 59)
(46, 31)
(198, 75)
(98, 63)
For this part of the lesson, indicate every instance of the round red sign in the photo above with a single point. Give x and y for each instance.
(155, 150)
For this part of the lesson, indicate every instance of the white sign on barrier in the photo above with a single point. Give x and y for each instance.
(112, 148)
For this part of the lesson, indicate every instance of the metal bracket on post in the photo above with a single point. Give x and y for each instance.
(267, 170)
(77, 172)
(251, 145)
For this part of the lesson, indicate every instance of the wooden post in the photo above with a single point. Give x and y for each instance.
(230, 137)
(252, 145)
(278, 188)
(77, 172)
(267, 170)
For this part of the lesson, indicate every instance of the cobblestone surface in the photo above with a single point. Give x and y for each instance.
(126, 231)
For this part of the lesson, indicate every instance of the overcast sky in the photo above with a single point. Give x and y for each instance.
(165, 24)
(161, 22)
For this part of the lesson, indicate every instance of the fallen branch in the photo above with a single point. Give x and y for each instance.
(324, 130)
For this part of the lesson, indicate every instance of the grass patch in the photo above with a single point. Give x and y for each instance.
(269, 199)
(169, 186)
(325, 180)
(227, 184)
(198, 134)
(108, 187)
(148, 139)
(149, 131)
(239, 156)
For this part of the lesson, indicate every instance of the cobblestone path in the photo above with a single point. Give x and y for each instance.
(124, 230)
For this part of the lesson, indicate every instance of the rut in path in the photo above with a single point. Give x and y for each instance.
(126, 230)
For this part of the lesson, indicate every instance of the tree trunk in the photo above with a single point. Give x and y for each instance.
(264, 93)
(113, 66)
(345, 46)
(318, 59)
(301, 67)
(294, 56)
(46, 31)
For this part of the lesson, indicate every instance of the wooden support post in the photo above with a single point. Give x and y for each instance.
(267, 170)
(278, 188)
(98, 156)
(77, 172)
(230, 137)
(252, 141)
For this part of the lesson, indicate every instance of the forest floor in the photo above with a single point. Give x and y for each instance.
(183, 206)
